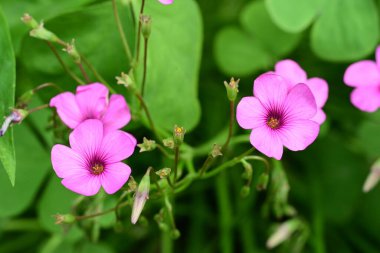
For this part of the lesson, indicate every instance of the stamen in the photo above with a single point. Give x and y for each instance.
(97, 169)
(273, 122)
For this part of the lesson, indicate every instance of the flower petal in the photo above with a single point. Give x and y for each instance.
(298, 134)
(117, 114)
(87, 137)
(66, 162)
(85, 184)
(92, 100)
(250, 113)
(319, 117)
(166, 2)
(114, 177)
(117, 146)
(270, 89)
(320, 90)
(362, 73)
(291, 71)
(300, 103)
(366, 98)
(267, 142)
(378, 56)
(67, 109)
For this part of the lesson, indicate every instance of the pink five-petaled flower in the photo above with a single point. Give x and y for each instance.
(91, 102)
(365, 77)
(94, 159)
(166, 2)
(294, 74)
(278, 116)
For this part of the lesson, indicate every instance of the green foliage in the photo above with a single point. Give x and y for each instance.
(7, 91)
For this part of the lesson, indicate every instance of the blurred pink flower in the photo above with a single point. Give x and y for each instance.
(365, 77)
(166, 2)
(93, 159)
(91, 102)
(277, 116)
(294, 74)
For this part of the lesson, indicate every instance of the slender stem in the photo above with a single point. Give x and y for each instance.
(97, 75)
(45, 85)
(206, 165)
(176, 159)
(68, 71)
(121, 31)
(38, 108)
(139, 32)
(231, 125)
(22, 225)
(83, 217)
(259, 158)
(83, 72)
(132, 13)
(170, 182)
(145, 66)
(144, 106)
(163, 151)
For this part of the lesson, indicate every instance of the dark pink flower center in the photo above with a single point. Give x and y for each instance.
(273, 122)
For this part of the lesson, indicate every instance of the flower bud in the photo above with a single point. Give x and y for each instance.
(147, 145)
(216, 151)
(146, 24)
(178, 135)
(16, 116)
(163, 173)
(232, 89)
(262, 182)
(175, 234)
(245, 190)
(141, 196)
(373, 177)
(132, 185)
(282, 233)
(168, 142)
(72, 51)
(29, 21)
(40, 32)
(64, 218)
(125, 80)
(248, 170)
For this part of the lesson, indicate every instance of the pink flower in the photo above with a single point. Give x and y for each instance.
(278, 116)
(91, 102)
(294, 74)
(365, 77)
(93, 159)
(166, 2)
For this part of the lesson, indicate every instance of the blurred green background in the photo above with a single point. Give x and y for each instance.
(195, 46)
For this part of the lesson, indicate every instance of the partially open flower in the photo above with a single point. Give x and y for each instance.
(94, 159)
(278, 117)
(91, 102)
(142, 195)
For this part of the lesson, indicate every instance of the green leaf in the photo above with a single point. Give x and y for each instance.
(7, 93)
(32, 165)
(294, 15)
(346, 30)
(174, 55)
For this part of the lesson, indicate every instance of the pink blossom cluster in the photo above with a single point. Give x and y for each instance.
(97, 146)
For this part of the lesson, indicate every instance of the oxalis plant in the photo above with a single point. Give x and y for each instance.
(123, 148)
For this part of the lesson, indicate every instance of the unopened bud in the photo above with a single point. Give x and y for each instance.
(141, 196)
(216, 151)
(125, 80)
(232, 89)
(147, 145)
(373, 177)
(72, 51)
(146, 25)
(163, 173)
(262, 182)
(40, 32)
(245, 190)
(178, 135)
(16, 116)
(29, 21)
(282, 233)
(132, 185)
(25, 98)
(175, 234)
(168, 142)
(248, 170)
(64, 218)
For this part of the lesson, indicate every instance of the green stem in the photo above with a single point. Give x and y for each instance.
(163, 151)
(176, 160)
(97, 75)
(146, 110)
(83, 217)
(167, 242)
(121, 31)
(139, 32)
(83, 72)
(206, 165)
(145, 66)
(22, 225)
(38, 108)
(231, 124)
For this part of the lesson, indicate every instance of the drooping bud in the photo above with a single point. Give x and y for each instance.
(232, 89)
(40, 32)
(29, 21)
(373, 177)
(126, 81)
(178, 135)
(72, 51)
(245, 190)
(141, 196)
(16, 116)
(216, 151)
(146, 25)
(262, 182)
(168, 142)
(147, 145)
(163, 173)
(64, 218)
(282, 233)
(248, 170)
